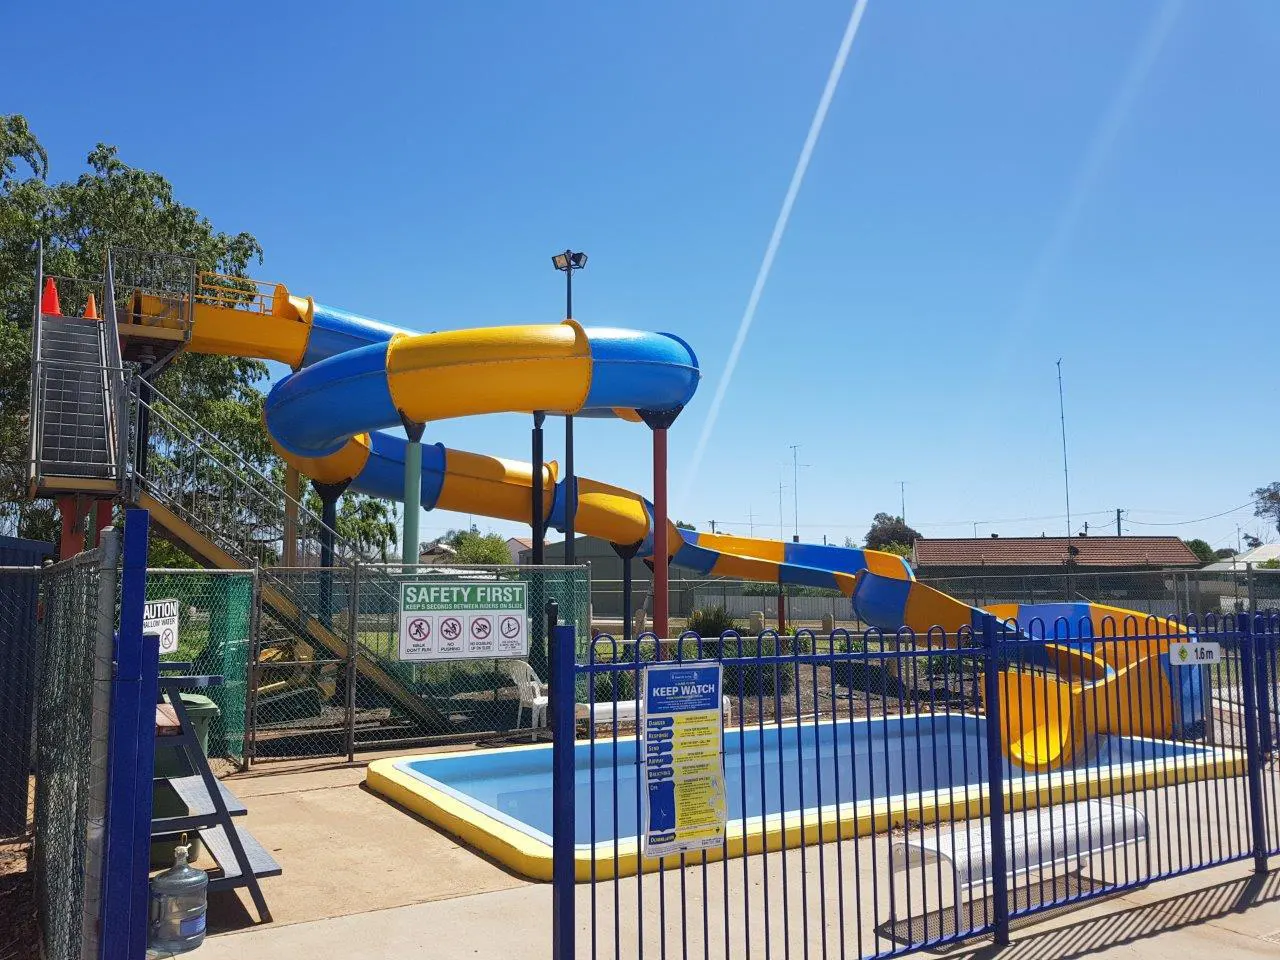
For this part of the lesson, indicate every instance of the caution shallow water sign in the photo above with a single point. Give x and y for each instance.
(463, 620)
(163, 617)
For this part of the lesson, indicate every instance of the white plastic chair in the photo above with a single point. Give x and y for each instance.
(533, 696)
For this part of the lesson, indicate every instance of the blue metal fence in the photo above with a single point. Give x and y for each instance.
(889, 792)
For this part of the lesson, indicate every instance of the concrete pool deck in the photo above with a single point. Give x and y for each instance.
(365, 879)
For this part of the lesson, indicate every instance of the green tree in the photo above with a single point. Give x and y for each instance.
(887, 530)
(685, 525)
(471, 546)
(114, 204)
(1268, 504)
(1201, 548)
(1225, 553)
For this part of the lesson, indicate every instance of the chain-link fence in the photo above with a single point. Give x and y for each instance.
(329, 679)
(215, 616)
(1168, 593)
(19, 665)
(78, 597)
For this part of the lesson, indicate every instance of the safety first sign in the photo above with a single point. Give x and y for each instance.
(684, 791)
(162, 617)
(460, 620)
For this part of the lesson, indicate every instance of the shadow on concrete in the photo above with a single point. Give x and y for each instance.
(1138, 923)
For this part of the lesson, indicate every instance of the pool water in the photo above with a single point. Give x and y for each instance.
(767, 770)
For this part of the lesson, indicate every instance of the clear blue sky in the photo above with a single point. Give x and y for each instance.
(998, 185)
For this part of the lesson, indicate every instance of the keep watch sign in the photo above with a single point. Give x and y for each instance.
(685, 806)
(163, 617)
(460, 620)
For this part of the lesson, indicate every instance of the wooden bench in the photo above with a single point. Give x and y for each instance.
(1040, 839)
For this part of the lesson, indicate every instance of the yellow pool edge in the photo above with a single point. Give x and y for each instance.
(531, 858)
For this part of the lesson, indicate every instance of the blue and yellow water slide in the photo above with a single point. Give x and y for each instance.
(354, 379)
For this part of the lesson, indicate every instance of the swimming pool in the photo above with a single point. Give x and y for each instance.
(822, 780)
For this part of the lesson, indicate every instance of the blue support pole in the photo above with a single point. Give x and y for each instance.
(1252, 745)
(995, 778)
(563, 840)
(130, 759)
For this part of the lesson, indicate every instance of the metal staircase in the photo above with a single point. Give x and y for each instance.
(227, 513)
(95, 428)
(76, 373)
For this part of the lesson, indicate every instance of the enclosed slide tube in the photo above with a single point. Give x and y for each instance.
(354, 378)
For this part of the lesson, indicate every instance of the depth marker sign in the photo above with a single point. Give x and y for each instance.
(162, 617)
(454, 620)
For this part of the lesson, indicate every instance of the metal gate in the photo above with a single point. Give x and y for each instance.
(889, 792)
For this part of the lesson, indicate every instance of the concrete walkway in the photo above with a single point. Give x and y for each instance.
(1220, 914)
(365, 880)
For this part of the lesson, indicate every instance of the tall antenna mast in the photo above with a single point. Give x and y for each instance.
(1066, 477)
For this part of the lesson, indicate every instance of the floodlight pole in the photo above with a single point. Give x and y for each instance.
(572, 261)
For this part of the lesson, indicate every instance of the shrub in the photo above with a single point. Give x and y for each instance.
(711, 622)
(615, 684)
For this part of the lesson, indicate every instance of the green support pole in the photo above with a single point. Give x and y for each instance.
(412, 491)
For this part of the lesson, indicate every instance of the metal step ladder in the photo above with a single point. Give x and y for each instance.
(75, 433)
(211, 805)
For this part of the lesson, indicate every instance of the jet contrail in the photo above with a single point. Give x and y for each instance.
(775, 240)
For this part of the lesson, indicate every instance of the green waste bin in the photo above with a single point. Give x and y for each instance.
(170, 763)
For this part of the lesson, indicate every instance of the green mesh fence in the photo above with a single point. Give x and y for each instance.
(329, 677)
(215, 614)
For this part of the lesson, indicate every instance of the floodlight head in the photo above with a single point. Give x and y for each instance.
(579, 260)
(561, 261)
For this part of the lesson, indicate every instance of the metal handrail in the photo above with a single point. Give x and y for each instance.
(34, 405)
(222, 290)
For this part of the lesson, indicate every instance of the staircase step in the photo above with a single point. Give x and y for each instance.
(260, 861)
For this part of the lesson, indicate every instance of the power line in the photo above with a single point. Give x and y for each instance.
(1183, 523)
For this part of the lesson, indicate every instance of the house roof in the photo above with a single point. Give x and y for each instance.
(524, 543)
(1268, 551)
(1052, 552)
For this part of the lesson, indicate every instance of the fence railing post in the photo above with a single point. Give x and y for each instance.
(353, 639)
(131, 758)
(995, 776)
(1253, 749)
(563, 840)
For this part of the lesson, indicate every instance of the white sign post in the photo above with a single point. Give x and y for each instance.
(162, 617)
(462, 620)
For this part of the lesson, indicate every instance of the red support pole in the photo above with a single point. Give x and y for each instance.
(72, 540)
(101, 519)
(661, 553)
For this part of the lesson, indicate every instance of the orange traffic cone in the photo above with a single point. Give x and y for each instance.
(49, 299)
(91, 309)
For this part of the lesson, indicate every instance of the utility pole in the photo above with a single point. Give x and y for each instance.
(1086, 528)
(1119, 533)
(751, 520)
(795, 487)
(902, 489)
(782, 523)
(713, 525)
(1066, 482)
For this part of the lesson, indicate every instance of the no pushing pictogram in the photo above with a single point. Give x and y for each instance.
(450, 628)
